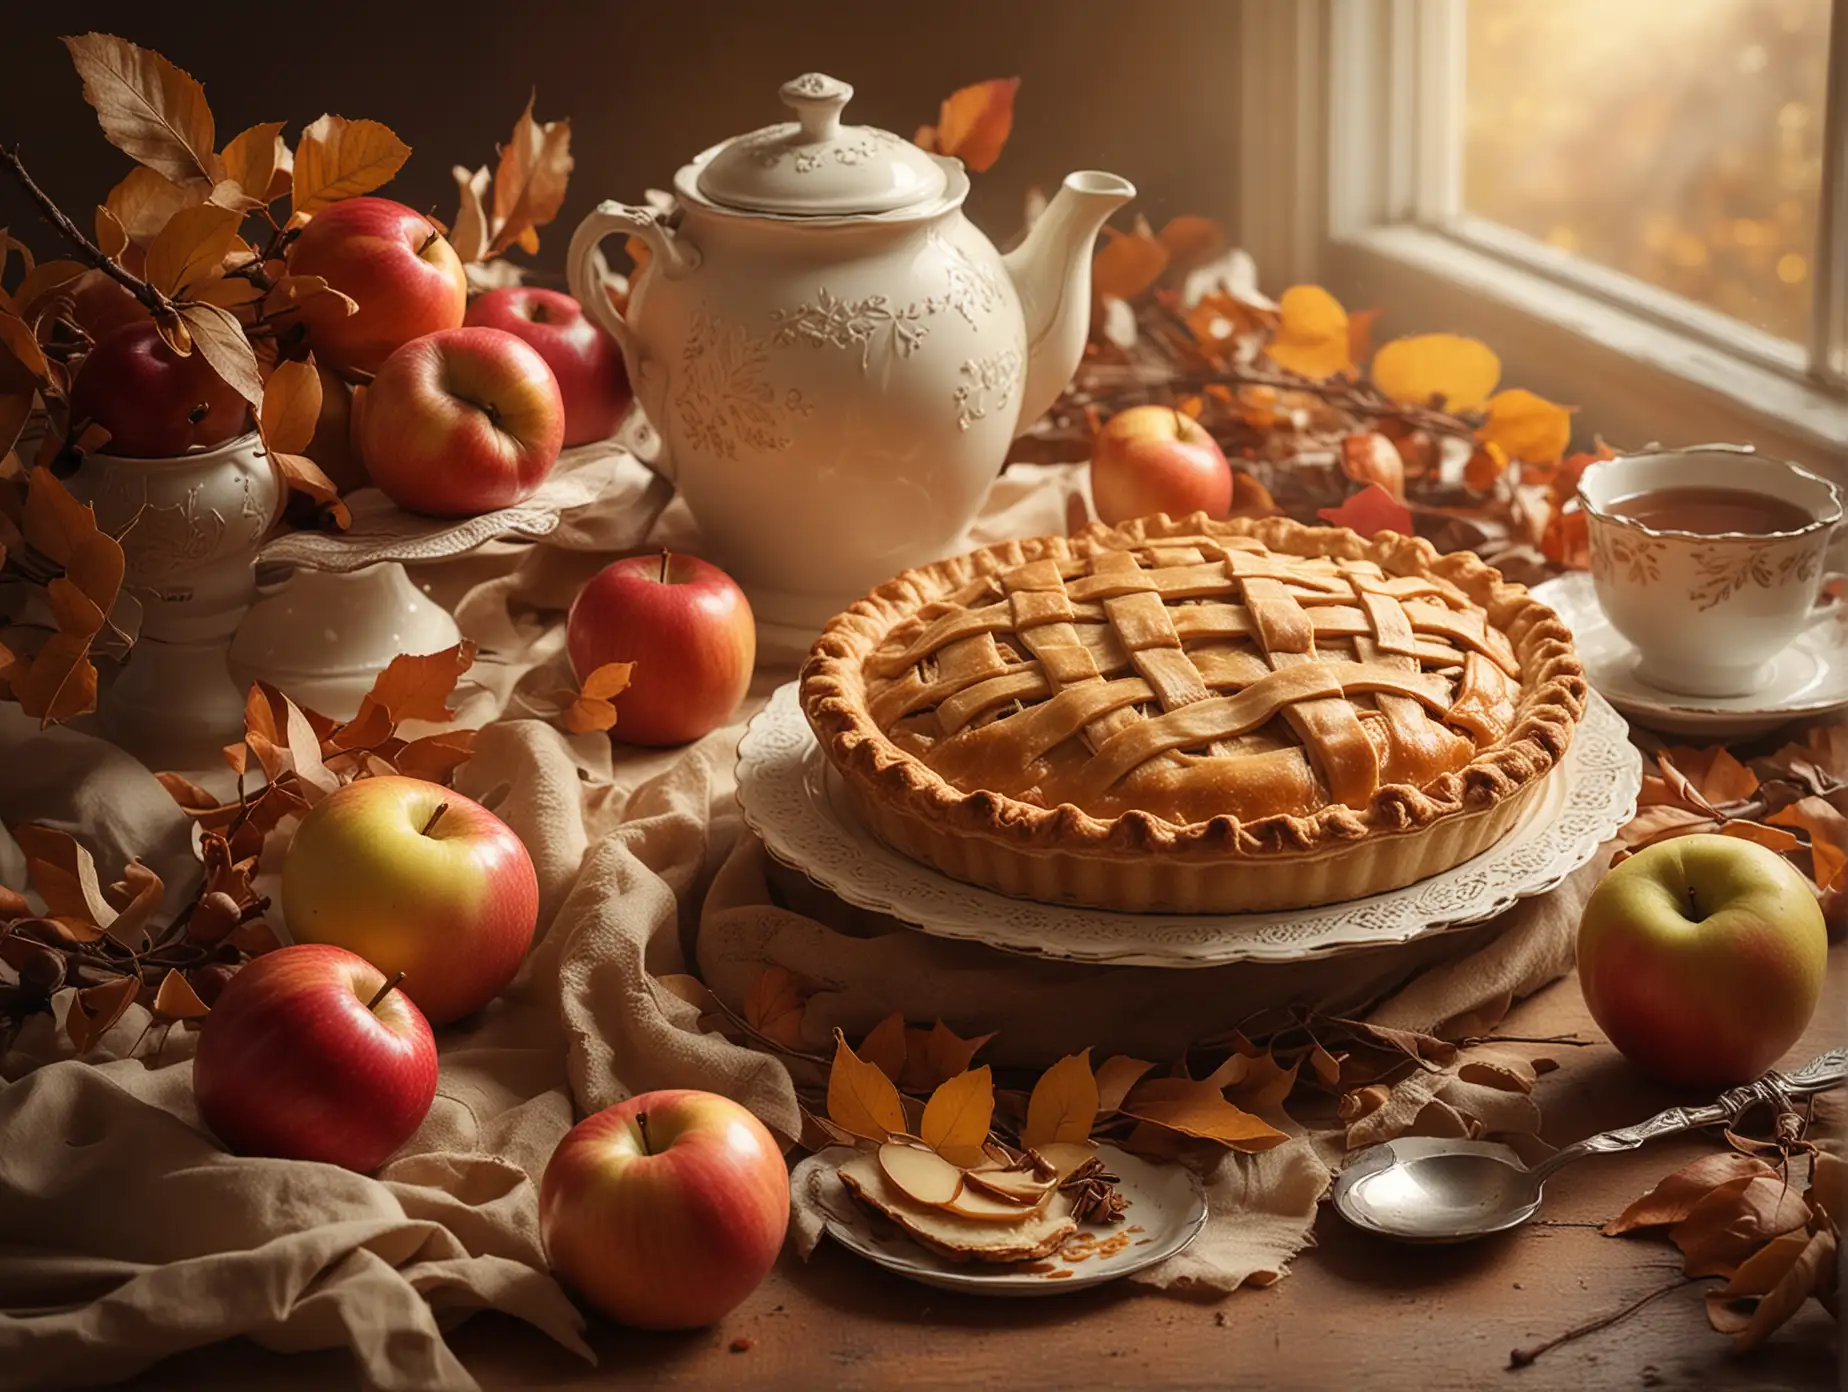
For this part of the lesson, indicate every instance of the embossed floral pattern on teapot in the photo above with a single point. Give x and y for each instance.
(835, 358)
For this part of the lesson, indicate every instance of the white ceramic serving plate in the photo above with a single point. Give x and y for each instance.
(792, 799)
(1808, 678)
(1166, 1202)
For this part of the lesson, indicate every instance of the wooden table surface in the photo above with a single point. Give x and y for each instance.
(1354, 1312)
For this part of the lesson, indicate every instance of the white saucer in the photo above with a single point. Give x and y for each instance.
(1167, 1209)
(1808, 678)
(792, 799)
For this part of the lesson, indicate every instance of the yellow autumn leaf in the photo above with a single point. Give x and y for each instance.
(1117, 1075)
(861, 1099)
(291, 406)
(1312, 333)
(190, 248)
(1063, 1106)
(1527, 427)
(337, 158)
(149, 109)
(253, 159)
(885, 1046)
(1198, 1109)
(957, 1116)
(145, 202)
(1459, 373)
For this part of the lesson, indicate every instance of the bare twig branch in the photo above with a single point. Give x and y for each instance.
(147, 294)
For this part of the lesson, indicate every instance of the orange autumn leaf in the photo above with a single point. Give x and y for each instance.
(1191, 241)
(1360, 333)
(1198, 1109)
(61, 869)
(1566, 542)
(1063, 1104)
(974, 122)
(1770, 837)
(1449, 370)
(1369, 512)
(1675, 1196)
(176, 999)
(957, 1116)
(861, 1099)
(1699, 778)
(594, 707)
(1527, 427)
(935, 1055)
(1126, 264)
(95, 1008)
(1312, 334)
(1115, 1077)
(418, 686)
(1828, 833)
(885, 1046)
(1486, 464)
(774, 1005)
(1219, 320)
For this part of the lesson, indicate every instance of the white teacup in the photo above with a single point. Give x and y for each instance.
(1706, 613)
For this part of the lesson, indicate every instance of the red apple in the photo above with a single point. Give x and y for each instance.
(391, 260)
(666, 1210)
(685, 625)
(152, 401)
(1152, 459)
(310, 1054)
(584, 359)
(1702, 958)
(416, 879)
(461, 422)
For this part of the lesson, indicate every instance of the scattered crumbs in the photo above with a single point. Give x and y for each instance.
(1060, 1275)
(1145, 1241)
(1651, 1378)
(1517, 1285)
(744, 1343)
(1219, 1318)
(776, 1309)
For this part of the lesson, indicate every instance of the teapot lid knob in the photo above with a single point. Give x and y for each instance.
(817, 100)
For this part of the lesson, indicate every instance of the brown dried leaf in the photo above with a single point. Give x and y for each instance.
(435, 757)
(1733, 1220)
(594, 708)
(146, 201)
(291, 406)
(256, 161)
(1127, 264)
(774, 1005)
(111, 235)
(1701, 779)
(304, 476)
(1828, 833)
(418, 687)
(861, 1099)
(1191, 241)
(17, 338)
(95, 1008)
(957, 1117)
(468, 231)
(337, 158)
(149, 109)
(1115, 1077)
(1427, 1051)
(143, 889)
(57, 683)
(974, 122)
(1257, 1083)
(1063, 1104)
(884, 1046)
(12, 904)
(191, 249)
(1777, 1279)
(41, 281)
(934, 1057)
(62, 871)
(529, 184)
(1198, 1109)
(219, 338)
(1828, 1190)
(176, 999)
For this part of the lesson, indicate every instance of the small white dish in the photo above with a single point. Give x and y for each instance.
(1808, 678)
(1167, 1209)
(791, 797)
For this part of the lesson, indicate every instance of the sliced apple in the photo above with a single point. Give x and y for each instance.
(1035, 1233)
(986, 1208)
(1011, 1186)
(918, 1174)
(1066, 1156)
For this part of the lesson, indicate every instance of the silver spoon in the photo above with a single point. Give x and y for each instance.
(1426, 1189)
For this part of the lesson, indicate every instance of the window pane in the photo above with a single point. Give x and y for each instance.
(1678, 142)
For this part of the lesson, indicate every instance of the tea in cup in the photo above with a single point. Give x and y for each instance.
(1708, 559)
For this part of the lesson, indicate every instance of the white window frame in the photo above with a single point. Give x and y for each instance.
(1350, 177)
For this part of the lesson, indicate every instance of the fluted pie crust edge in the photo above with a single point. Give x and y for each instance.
(1138, 862)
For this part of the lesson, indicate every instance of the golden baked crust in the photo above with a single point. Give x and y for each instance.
(1181, 700)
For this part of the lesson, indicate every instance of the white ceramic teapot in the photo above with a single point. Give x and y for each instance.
(834, 357)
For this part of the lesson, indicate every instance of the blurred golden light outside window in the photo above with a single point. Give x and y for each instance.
(1677, 141)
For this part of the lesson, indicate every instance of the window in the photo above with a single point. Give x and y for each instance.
(1643, 206)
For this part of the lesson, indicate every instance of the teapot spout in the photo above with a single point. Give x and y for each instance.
(1051, 271)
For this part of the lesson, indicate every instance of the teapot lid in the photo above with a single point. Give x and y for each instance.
(816, 166)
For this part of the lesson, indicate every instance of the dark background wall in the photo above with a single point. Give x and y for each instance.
(1145, 90)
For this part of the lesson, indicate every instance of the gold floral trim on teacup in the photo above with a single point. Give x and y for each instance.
(1721, 570)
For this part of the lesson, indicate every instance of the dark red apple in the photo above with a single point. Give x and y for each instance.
(584, 359)
(688, 629)
(310, 1054)
(152, 401)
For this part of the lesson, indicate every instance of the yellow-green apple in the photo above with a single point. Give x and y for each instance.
(584, 359)
(416, 879)
(666, 1210)
(310, 1053)
(394, 263)
(685, 625)
(461, 422)
(152, 401)
(1152, 459)
(1702, 958)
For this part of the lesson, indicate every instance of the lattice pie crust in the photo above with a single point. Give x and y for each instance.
(1195, 716)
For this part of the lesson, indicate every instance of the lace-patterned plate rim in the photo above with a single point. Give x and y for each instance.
(1167, 1202)
(785, 793)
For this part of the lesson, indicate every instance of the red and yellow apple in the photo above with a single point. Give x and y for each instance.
(152, 401)
(460, 422)
(1152, 459)
(416, 879)
(1702, 958)
(584, 359)
(394, 263)
(685, 625)
(666, 1210)
(310, 1054)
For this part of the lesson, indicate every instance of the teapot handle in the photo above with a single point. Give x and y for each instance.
(673, 255)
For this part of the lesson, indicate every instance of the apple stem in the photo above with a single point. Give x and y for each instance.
(435, 817)
(1693, 908)
(664, 565)
(385, 991)
(641, 1124)
(429, 241)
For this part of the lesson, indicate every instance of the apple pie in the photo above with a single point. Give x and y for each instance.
(1195, 716)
